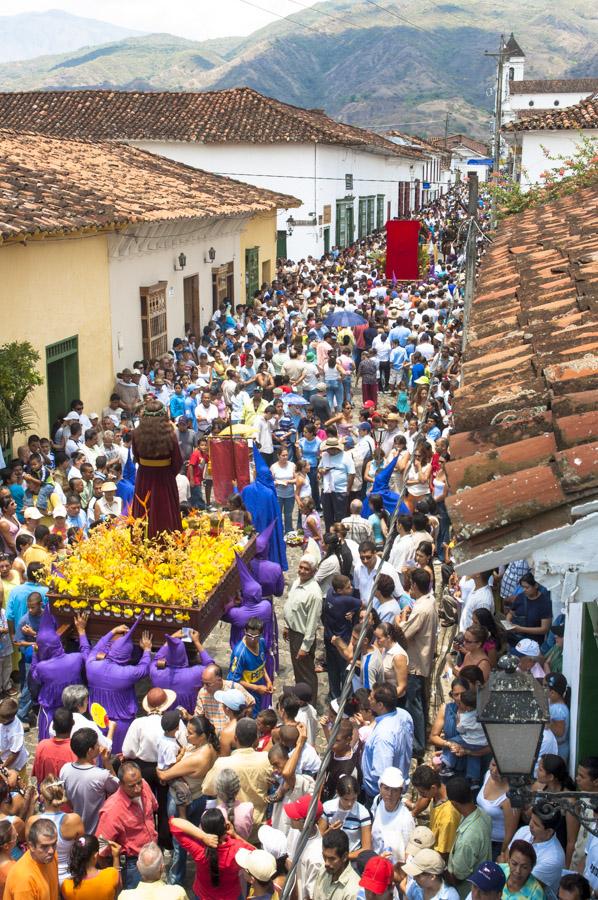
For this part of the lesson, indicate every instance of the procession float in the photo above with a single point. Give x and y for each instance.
(181, 579)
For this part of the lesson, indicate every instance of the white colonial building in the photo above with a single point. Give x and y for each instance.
(437, 173)
(467, 155)
(536, 142)
(523, 97)
(349, 180)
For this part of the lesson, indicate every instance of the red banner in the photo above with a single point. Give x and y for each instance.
(402, 249)
(229, 461)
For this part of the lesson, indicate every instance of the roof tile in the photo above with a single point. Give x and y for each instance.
(581, 115)
(53, 185)
(235, 115)
(529, 394)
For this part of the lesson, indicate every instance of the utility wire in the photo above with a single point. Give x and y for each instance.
(279, 16)
(347, 689)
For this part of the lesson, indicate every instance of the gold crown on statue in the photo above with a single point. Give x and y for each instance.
(154, 412)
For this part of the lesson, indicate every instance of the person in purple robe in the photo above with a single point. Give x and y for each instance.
(53, 669)
(112, 679)
(170, 669)
(270, 576)
(252, 606)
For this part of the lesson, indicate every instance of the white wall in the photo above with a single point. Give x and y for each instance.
(145, 254)
(313, 173)
(533, 160)
(539, 101)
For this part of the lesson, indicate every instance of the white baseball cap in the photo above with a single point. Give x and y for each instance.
(258, 863)
(392, 777)
(527, 647)
(32, 512)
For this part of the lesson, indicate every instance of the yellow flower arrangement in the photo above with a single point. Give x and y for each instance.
(119, 570)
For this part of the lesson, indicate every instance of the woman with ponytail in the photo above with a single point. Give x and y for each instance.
(68, 825)
(238, 813)
(86, 881)
(213, 847)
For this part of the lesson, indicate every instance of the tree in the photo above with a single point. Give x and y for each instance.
(19, 374)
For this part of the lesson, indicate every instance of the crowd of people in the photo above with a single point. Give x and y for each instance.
(213, 762)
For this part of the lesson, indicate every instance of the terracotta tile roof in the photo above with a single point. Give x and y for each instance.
(581, 115)
(236, 115)
(554, 86)
(525, 447)
(416, 141)
(50, 185)
(458, 140)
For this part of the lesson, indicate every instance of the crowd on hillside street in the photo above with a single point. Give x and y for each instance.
(342, 382)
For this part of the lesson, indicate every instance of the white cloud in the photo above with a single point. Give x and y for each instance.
(194, 19)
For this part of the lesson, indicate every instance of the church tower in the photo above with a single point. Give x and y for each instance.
(514, 64)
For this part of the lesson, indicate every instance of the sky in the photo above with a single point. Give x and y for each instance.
(193, 19)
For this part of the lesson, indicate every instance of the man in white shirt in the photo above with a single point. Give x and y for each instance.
(480, 598)
(365, 573)
(403, 547)
(263, 427)
(541, 834)
(206, 411)
(311, 861)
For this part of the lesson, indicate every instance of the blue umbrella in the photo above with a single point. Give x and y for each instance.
(294, 400)
(344, 319)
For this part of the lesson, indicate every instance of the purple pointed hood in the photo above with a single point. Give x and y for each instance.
(262, 542)
(121, 650)
(251, 590)
(176, 655)
(49, 645)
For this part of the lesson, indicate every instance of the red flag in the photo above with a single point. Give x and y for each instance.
(402, 249)
(229, 461)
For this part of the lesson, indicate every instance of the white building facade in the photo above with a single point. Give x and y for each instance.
(346, 192)
(144, 264)
(540, 143)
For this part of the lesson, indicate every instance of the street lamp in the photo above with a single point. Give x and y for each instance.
(182, 260)
(512, 709)
(290, 225)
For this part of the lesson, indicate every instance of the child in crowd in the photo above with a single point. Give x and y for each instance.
(13, 754)
(6, 650)
(170, 751)
(306, 712)
(266, 721)
(469, 744)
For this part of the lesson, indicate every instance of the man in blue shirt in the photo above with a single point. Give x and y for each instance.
(531, 611)
(25, 637)
(390, 743)
(337, 471)
(17, 601)
(400, 333)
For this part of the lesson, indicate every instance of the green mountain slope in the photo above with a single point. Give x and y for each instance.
(381, 65)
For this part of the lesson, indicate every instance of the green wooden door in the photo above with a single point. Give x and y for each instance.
(281, 245)
(62, 376)
(252, 273)
(326, 240)
(588, 685)
(380, 211)
(362, 221)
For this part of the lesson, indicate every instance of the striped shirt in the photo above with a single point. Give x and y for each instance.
(213, 710)
(352, 820)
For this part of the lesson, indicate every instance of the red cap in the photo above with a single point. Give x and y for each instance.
(377, 875)
(369, 404)
(287, 389)
(297, 809)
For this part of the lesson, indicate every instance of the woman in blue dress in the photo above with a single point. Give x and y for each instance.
(248, 665)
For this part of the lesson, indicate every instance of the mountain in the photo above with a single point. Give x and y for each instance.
(380, 65)
(28, 35)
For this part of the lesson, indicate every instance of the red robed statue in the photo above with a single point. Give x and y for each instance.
(156, 451)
